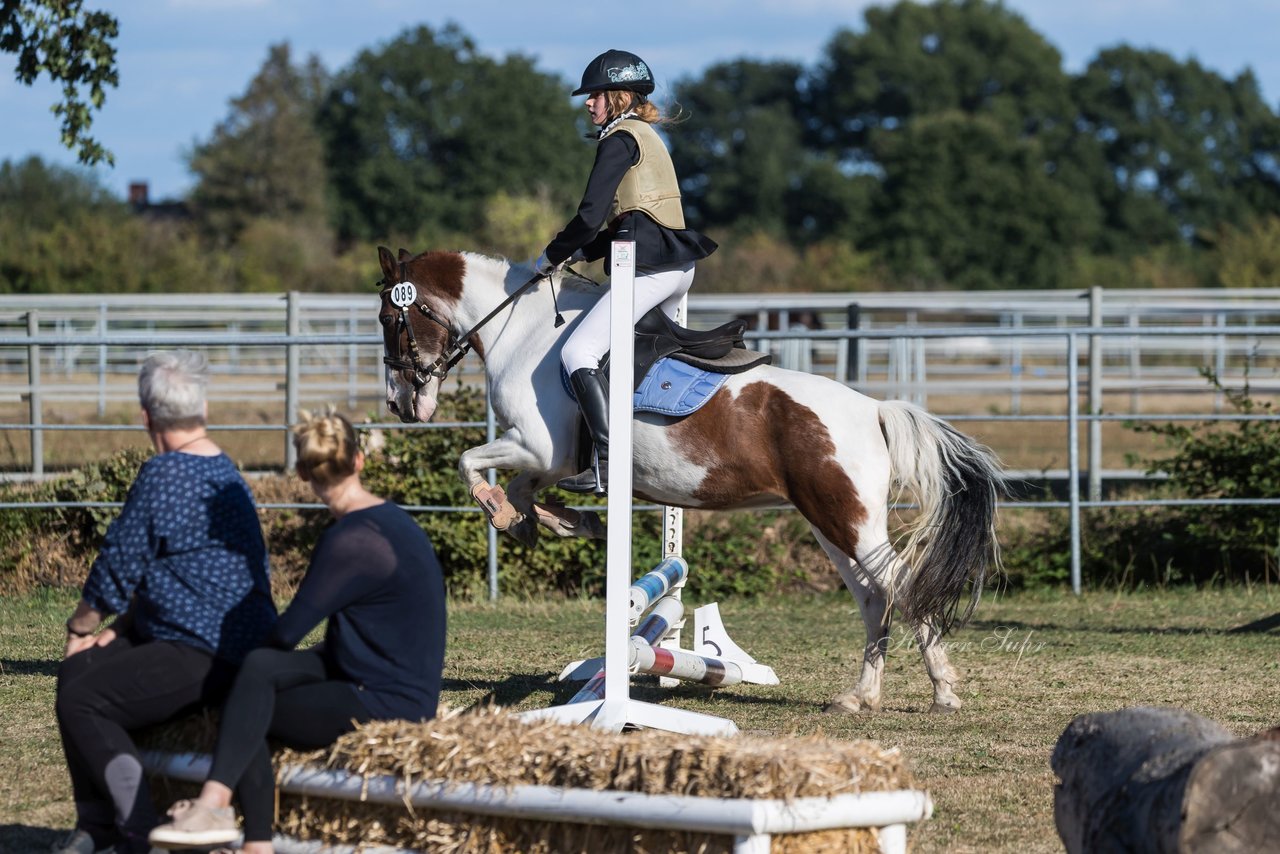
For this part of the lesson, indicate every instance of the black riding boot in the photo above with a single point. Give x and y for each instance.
(591, 387)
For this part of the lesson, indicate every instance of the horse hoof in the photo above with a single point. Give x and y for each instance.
(525, 532)
(943, 709)
(849, 706)
(591, 526)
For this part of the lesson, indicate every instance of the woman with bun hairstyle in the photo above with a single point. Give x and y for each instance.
(632, 194)
(376, 579)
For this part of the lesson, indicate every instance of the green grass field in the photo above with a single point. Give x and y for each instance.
(1029, 663)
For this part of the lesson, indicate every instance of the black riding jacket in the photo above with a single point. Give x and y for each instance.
(656, 245)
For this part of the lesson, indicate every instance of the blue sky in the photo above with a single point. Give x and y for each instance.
(182, 60)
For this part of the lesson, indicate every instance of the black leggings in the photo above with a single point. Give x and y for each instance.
(105, 691)
(288, 697)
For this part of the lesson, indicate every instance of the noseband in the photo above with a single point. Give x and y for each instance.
(404, 296)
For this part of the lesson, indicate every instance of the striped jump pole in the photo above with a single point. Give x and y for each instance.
(716, 659)
(655, 584)
(664, 614)
(680, 664)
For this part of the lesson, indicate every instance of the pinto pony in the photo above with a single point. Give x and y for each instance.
(769, 437)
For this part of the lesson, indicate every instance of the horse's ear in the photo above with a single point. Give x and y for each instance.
(390, 270)
(405, 254)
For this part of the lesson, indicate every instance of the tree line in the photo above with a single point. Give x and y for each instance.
(936, 145)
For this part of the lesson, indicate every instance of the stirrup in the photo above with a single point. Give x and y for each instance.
(594, 479)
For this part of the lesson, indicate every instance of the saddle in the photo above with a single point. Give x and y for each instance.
(720, 350)
(658, 336)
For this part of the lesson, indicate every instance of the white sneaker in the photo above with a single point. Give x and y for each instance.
(196, 825)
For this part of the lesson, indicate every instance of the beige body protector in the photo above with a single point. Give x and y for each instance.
(650, 185)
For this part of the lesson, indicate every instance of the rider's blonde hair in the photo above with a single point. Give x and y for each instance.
(620, 100)
(327, 447)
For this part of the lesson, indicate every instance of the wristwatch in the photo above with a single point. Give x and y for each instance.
(73, 632)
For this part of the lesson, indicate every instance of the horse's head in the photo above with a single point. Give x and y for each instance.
(419, 294)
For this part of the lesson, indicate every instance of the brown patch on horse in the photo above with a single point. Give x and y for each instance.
(762, 442)
(439, 272)
(438, 276)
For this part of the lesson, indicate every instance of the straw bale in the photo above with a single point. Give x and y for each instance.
(491, 746)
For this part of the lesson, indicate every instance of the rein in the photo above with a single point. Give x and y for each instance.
(456, 346)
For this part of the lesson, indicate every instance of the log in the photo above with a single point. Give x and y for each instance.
(1163, 780)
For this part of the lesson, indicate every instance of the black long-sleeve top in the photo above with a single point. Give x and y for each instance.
(656, 245)
(377, 579)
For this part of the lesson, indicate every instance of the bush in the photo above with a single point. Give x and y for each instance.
(1231, 460)
(54, 546)
(731, 554)
(1159, 546)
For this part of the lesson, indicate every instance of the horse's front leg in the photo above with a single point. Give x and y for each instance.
(567, 522)
(513, 513)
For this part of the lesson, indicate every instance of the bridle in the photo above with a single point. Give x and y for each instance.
(405, 299)
(456, 345)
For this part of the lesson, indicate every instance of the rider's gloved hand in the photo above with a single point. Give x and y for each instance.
(543, 267)
(577, 257)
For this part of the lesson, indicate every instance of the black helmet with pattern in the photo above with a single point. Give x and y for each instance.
(616, 69)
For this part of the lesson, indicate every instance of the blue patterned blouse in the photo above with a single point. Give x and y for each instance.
(188, 546)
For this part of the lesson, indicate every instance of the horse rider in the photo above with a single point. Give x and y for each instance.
(632, 194)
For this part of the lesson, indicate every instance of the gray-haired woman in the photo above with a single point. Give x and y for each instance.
(184, 567)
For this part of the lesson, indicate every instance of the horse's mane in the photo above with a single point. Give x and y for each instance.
(567, 282)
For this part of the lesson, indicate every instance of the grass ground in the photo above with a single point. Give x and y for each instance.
(1030, 662)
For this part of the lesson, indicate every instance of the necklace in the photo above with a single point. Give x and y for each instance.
(189, 442)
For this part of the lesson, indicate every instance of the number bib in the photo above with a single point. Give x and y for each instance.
(404, 294)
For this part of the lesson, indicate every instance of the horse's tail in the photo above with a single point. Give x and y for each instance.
(951, 543)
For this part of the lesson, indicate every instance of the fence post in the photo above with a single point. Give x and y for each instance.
(102, 361)
(33, 396)
(853, 316)
(1095, 395)
(1017, 367)
(292, 325)
(919, 370)
(1073, 455)
(353, 361)
(1220, 360)
(1135, 365)
(491, 433)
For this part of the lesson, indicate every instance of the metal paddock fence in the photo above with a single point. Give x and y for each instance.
(1041, 357)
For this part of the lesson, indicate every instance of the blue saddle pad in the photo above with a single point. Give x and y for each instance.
(671, 387)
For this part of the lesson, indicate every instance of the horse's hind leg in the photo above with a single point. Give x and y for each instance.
(941, 673)
(880, 567)
(884, 564)
(865, 696)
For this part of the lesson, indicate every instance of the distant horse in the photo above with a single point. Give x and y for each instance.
(768, 437)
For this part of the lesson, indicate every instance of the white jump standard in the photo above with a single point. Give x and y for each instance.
(617, 710)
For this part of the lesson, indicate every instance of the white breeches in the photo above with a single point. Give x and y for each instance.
(589, 341)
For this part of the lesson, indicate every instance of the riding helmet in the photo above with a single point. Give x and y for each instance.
(616, 69)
